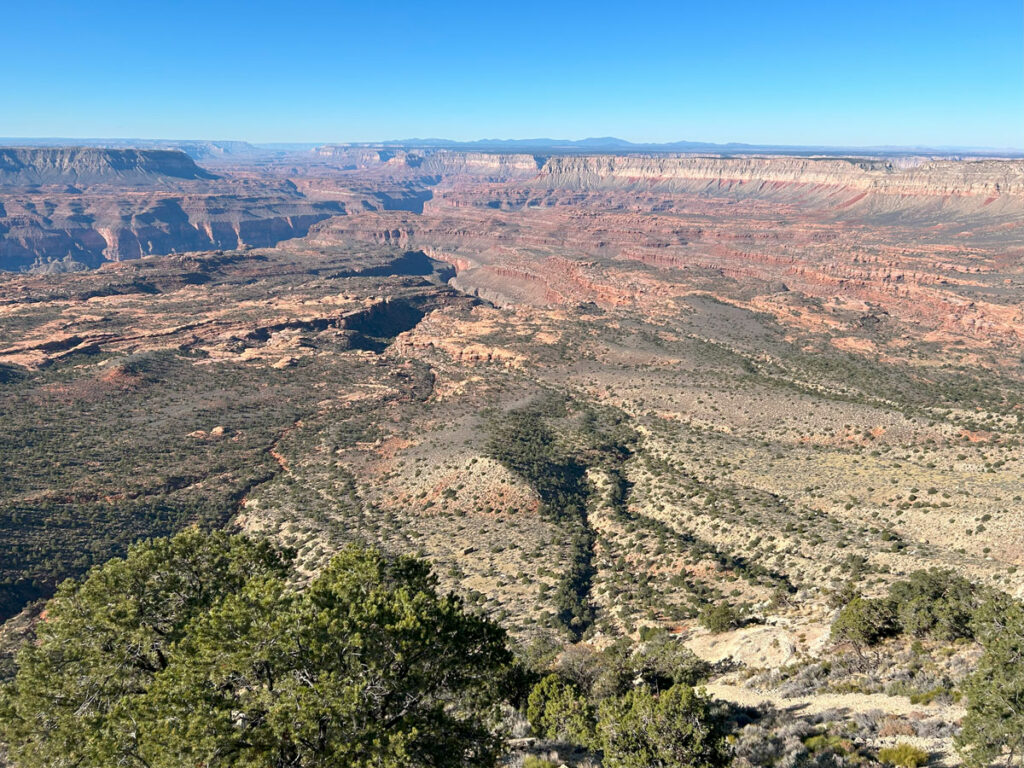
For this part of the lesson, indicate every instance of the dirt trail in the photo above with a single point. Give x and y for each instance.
(853, 703)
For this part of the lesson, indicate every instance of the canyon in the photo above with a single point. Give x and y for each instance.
(933, 242)
(68, 208)
(769, 376)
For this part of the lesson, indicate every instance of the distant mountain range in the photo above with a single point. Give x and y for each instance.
(611, 144)
(200, 149)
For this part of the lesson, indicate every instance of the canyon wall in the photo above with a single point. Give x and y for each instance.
(38, 229)
(932, 244)
(93, 205)
(900, 175)
(69, 207)
(688, 173)
(30, 166)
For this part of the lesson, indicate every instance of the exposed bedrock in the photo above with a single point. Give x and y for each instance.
(84, 206)
(975, 177)
(494, 165)
(936, 242)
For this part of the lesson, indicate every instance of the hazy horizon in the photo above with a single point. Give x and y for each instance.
(601, 142)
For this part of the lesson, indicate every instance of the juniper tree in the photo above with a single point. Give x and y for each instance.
(199, 650)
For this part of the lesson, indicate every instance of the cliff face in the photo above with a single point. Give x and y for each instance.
(916, 186)
(933, 244)
(495, 166)
(693, 173)
(92, 230)
(84, 206)
(688, 173)
(28, 166)
(746, 216)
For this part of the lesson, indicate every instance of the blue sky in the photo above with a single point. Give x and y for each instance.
(840, 73)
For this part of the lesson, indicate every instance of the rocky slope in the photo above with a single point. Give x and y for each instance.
(778, 378)
(140, 202)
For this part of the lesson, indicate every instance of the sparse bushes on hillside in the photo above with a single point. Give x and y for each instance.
(142, 476)
(524, 444)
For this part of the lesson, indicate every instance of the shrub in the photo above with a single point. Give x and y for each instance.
(663, 661)
(903, 755)
(581, 665)
(720, 617)
(676, 727)
(994, 724)
(935, 603)
(532, 761)
(195, 651)
(828, 742)
(896, 726)
(557, 710)
(865, 621)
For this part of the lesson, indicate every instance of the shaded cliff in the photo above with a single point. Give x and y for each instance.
(71, 206)
(32, 166)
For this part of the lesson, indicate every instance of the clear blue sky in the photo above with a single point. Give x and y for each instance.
(855, 72)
